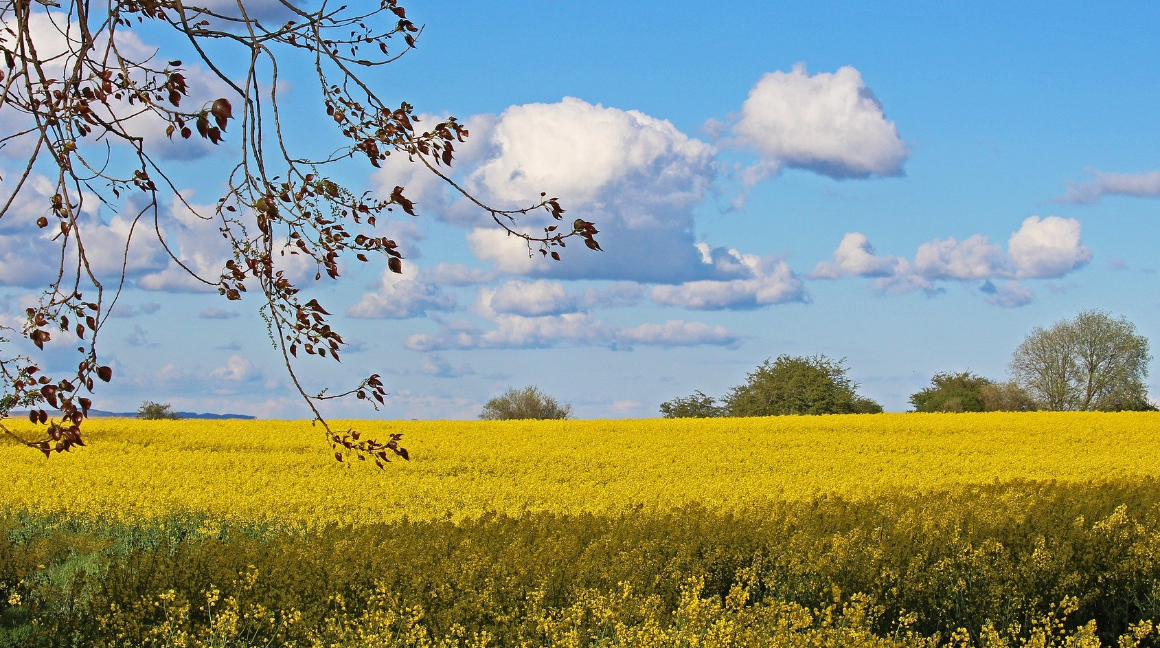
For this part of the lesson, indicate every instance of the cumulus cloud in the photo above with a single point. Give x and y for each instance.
(29, 255)
(973, 258)
(56, 35)
(1047, 248)
(580, 150)
(761, 281)
(1042, 248)
(828, 123)
(1140, 185)
(402, 296)
(855, 257)
(194, 239)
(531, 299)
(637, 177)
(1010, 294)
(570, 329)
(237, 369)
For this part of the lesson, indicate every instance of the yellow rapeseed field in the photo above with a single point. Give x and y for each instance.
(283, 473)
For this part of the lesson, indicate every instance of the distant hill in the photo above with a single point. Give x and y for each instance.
(95, 413)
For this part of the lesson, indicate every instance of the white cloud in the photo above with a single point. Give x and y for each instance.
(678, 333)
(637, 177)
(579, 150)
(974, 258)
(855, 257)
(1140, 185)
(531, 299)
(194, 238)
(402, 296)
(457, 274)
(829, 123)
(56, 35)
(1044, 248)
(171, 373)
(570, 329)
(1010, 294)
(29, 255)
(763, 281)
(237, 369)
(1047, 248)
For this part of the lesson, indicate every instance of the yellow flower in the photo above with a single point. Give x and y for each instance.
(280, 473)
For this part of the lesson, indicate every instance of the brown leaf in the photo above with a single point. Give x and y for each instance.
(221, 111)
(398, 198)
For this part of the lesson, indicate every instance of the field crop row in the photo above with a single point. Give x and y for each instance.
(281, 472)
(907, 531)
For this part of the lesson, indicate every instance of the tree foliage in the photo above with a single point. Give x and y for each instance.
(864, 405)
(1090, 362)
(696, 405)
(960, 391)
(1007, 396)
(92, 108)
(156, 411)
(526, 403)
(798, 385)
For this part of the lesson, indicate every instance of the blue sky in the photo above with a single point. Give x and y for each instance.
(912, 188)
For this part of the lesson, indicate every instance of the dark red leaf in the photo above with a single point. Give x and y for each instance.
(221, 111)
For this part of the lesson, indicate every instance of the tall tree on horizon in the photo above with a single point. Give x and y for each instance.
(1089, 362)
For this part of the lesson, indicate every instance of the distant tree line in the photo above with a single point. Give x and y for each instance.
(787, 385)
(1090, 362)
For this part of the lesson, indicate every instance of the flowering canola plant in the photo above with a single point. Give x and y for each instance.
(280, 472)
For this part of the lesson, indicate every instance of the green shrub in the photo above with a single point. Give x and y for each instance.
(156, 411)
(526, 403)
(697, 405)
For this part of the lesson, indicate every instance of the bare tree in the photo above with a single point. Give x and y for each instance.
(90, 108)
(1091, 362)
